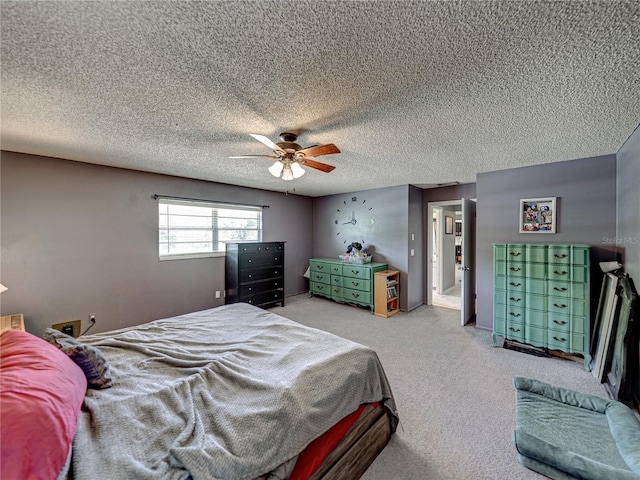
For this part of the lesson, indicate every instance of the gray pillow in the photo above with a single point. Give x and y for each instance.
(87, 357)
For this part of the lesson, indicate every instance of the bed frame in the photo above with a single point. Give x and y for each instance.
(357, 450)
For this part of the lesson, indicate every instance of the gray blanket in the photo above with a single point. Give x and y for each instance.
(227, 393)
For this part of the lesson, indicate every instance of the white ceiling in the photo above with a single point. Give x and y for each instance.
(412, 92)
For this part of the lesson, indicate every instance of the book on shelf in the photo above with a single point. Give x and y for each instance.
(392, 292)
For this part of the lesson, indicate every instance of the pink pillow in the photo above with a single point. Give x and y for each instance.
(41, 391)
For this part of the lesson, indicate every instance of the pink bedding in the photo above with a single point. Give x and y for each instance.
(41, 391)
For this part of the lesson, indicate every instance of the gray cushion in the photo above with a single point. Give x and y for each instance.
(574, 434)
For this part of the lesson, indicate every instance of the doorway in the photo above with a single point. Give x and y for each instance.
(451, 256)
(446, 284)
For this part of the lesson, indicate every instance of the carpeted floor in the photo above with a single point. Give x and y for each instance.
(453, 389)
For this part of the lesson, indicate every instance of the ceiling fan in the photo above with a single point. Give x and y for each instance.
(291, 156)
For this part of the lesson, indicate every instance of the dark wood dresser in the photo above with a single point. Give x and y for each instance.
(254, 273)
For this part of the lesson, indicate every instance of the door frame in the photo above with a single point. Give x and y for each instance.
(430, 207)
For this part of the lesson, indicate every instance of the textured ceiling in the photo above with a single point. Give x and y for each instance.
(412, 92)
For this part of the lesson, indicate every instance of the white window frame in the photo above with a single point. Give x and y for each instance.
(213, 207)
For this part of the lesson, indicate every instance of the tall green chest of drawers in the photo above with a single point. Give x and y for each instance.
(541, 296)
(343, 282)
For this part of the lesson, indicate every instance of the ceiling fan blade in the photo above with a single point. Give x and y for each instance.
(266, 141)
(323, 167)
(255, 156)
(318, 150)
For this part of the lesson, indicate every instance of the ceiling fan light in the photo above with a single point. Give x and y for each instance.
(287, 174)
(297, 170)
(276, 169)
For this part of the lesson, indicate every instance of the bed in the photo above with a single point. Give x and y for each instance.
(234, 392)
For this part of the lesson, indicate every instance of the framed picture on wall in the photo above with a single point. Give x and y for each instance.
(538, 215)
(448, 225)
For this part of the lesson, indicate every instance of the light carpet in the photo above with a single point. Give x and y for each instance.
(453, 390)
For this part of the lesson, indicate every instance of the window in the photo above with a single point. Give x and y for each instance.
(192, 229)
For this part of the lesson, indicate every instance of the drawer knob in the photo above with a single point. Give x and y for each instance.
(562, 339)
(320, 267)
(514, 299)
(560, 322)
(559, 306)
(514, 329)
(514, 284)
(355, 295)
(514, 254)
(249, 261)
(563, 289)
(514, 314)
(514, 269)
(250, 276)
(355, 284)
(564, 255)
(560, 273)
(355, 272)
(250, 289)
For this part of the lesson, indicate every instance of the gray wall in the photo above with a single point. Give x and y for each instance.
(78, 238)
(414, 285)
(387, 239)
(586, 203)
(627, 236)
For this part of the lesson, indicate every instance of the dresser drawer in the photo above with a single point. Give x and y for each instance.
(264, 298)
(515, 331)
(259, 287)
(356, 283)
(336, 269)
(514, 313)
(514, 252)
(357, 296)
(253, 260)
(514, 299)
(514, 269)
(260, 274)
(321, 277)
(320, 267)
(260, 247)
(567, 342)
(336, 292)
(577, 274)
(566, 306)
(560, 323)
(320, 288)
(503, 282)
(559, 288)
(560, 254)
(566, 323)
(354, 271)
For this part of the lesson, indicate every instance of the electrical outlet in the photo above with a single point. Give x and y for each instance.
(92, 317)
(217, 293)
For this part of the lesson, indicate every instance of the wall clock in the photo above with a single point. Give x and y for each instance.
(354, 219)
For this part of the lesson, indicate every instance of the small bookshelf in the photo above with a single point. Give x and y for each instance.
(386, 293)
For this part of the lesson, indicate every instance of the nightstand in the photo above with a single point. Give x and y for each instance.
(12, 322)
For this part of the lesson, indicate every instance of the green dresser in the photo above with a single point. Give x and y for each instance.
(541, 296)
(343, 282)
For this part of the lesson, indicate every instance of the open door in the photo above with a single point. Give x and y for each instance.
(468, 264)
